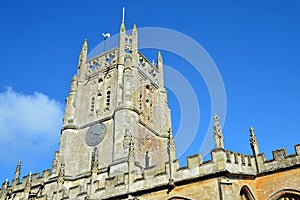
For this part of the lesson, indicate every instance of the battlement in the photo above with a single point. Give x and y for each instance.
(240, 163)
(280, 160)
(104, 185)
(222, 161)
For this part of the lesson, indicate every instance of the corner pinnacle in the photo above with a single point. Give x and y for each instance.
(159, 57)
(85, 45)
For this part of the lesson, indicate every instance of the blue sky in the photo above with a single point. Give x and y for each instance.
(255, 46)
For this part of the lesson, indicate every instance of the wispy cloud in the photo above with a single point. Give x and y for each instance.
(29, 129)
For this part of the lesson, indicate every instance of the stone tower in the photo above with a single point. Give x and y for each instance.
(117, 105)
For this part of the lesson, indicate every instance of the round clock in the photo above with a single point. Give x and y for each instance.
(95, 134)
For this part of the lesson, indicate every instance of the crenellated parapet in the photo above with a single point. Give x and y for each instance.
(222, 162)
(102, 184)
(280, 160)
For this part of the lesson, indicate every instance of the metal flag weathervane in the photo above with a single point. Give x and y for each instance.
(105, 36)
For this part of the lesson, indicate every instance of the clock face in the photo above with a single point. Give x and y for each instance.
(95, 134)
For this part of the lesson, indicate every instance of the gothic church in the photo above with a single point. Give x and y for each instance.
(117, 143)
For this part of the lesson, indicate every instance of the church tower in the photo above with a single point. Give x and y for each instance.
(117, 107)
(117, 143)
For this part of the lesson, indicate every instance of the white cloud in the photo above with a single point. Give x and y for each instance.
(29, 128)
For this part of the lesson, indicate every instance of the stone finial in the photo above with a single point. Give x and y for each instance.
(71, 103)
(131, 159)
(18, 171)
(6, 183)
(83, 54)
(160, 68)
(55, 163)
(253, 141)
(30, 176)
(28, 184)
(159, 57)
(134, 29)
(122, 28)
(122, 43)
(172, 157)
(4, 190)
(218, 134)
(85, 45)
(61, 174)
(171, 142)
(135, 55)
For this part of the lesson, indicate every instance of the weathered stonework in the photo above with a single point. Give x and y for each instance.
(135, 159)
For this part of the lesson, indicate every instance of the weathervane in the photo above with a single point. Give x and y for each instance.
(105, 37)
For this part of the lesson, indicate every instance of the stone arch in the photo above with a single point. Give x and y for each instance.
(286, 194)
(246, 194)
(179, 198)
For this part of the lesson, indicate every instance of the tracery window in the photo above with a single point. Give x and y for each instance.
(286, 195)
(290, 197)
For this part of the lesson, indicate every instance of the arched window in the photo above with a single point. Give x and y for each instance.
(286, 195)
(245, 194)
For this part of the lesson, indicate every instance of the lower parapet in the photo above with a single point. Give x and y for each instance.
(225, 176)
